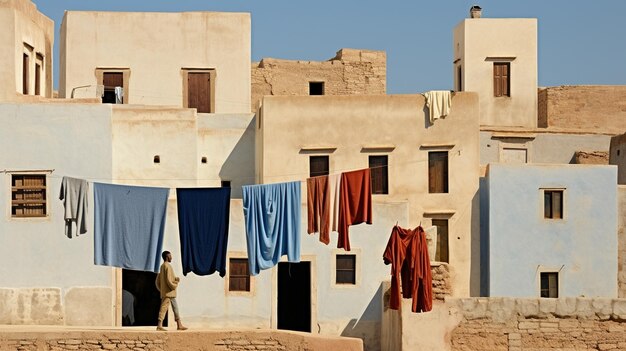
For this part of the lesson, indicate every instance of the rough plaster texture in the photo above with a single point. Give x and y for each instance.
(31, 306)
(350, 72)
(90, 306)
(592, 157)
(617, 156)
(522, 243)
(350, 128)
(23, 24)
(621, 240)
(588, 108)
(155, 47)
(539, 324)
(542, 146)
(140, 340)
(478, 43)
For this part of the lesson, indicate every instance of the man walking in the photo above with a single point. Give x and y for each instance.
(166, 283)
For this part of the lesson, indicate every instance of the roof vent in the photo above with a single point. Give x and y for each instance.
(475, 11)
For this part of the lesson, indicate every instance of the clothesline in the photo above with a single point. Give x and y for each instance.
(337, 172)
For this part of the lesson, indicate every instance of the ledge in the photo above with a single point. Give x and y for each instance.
(439, 213)
(437, 145)
(378, 148)
(328, 149)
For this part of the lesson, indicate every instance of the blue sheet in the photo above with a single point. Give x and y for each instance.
(203, 228)
(272, 216)
(128, 226)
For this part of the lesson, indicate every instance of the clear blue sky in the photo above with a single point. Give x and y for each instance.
(580, 42)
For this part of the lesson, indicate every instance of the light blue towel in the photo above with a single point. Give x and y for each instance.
(129, 225)
(272, 213)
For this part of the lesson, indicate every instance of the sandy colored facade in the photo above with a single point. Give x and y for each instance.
(350, 72)
(156, 53)
(481, 44)
(349, 129)
(589, 108)
(26, 46)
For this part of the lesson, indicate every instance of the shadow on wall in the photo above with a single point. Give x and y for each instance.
(484, 236)
(367, 327)
(238, 168)
(476, 240)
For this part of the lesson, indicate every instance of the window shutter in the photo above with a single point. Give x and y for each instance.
(379, 173)
(438, 172)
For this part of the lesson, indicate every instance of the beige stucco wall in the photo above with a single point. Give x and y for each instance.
(590, 108)
(617, 156)
(350, 72)
(155, 47)
(23, 24)
(354, 127)
(478, 42)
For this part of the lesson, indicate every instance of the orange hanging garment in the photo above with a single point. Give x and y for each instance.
(407, 252)
(355, 203)
(318, 205)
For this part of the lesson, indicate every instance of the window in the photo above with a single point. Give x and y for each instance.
(38, 70)
(316, 88)
(112, 80)
(28, 195)
(346, 269)
(438, 172)
(553, 204)
(238, 275)
(225, 183)
(199, 90)
(442, 240)
(318, 166)
(514, 155)
(501, 79)
(25, 68)
(378, 166)
(459, 77)
(549, 284)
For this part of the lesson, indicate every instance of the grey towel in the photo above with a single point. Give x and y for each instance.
(74, 194)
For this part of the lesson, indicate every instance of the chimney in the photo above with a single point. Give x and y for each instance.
(475, 11)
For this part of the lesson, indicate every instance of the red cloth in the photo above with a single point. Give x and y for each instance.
(407, 251)
(355, 203)
(318, 205)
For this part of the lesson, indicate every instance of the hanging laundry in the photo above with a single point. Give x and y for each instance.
(335, 186)
(74, 194)
(407, 252)
(272, 217)
(318, 205)
(129, 225)
(203, 215)
(355, 203)
(438, 103)
(119, 95)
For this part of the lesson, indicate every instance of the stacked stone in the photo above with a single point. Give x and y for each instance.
(107, 344)
(267, 344)
(540, 324)
(442, 286)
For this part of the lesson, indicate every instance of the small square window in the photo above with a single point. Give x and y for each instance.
(238, 275)
(28, 195)
(549, 284)
(553, 204)
(378, 166)
(346, 269)
(318, 166)
(316, 88)
(225, 183)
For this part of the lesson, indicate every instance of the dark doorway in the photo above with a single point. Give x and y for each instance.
(294, 296)
(111, 80)
(140, 299)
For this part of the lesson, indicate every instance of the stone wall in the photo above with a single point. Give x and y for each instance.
(596, 109)
(533, 324)
(268, 340)
(350, 72)
(442, 286)
(591, 157)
